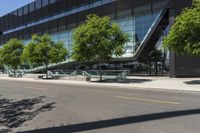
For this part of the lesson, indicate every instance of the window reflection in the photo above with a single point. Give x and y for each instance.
(68, 12)
(136, 23)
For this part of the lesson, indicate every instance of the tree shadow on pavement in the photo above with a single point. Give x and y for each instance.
(125, 81)
(14, 113)
(115, 122)
(193, 82)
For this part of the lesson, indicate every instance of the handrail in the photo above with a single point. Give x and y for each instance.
(74, 73)
(50, 74)
(50, 65)
(86, 74)
(8, 71)
(122, 75)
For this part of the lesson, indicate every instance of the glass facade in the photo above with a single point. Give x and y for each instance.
(60, 19)
(41, 17)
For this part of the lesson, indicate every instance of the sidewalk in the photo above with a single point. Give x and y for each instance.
(161, 83)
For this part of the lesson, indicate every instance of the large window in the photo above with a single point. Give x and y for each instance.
(38, 11)
(25, 9)
(20, 13)
(52, 1)
(31, 11)
(1, 40)
(126, 22)
(38, 4)
(45, 3)
(136, 21)
(6, 22)
(25, 14)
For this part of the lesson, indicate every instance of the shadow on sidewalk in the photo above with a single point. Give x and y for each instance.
(193, 82)
(14, 113)
(114, 122)
(125, 81)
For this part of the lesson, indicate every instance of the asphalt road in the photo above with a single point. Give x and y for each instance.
(29, 107)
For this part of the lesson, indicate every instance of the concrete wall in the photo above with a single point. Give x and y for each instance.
(186, 66)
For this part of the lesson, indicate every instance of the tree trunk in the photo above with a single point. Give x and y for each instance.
(149, 67)
(14, 73)
(46, 69)
(163, 63)
(100, 72)
(163, 67)
(156, 68)
(31, 66)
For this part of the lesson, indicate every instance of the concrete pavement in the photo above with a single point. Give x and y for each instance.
(163, 83)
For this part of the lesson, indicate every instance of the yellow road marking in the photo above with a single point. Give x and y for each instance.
(148, 100)
(35, 88)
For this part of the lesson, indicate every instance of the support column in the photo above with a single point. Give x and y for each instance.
(172, 55)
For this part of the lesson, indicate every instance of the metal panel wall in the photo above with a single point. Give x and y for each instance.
(187, 66)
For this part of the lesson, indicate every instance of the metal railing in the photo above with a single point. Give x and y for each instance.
(106, 74)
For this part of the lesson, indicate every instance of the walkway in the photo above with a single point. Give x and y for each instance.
(180, 84)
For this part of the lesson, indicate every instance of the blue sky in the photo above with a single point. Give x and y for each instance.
(7, 6)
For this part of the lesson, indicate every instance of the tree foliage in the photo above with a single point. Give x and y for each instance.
(1, 61)
(28, 55)
(156, 55)
(11, 53)
(153, 55)
(43, 50)
(98, 40)
(58, 52)
(184, 36)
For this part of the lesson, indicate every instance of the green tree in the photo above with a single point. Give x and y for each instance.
(43, 50)
(11, 54)
(154, 55)
(58, 52)
(184, 36)
(28, 55)
(98, 40)
(1, 62)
